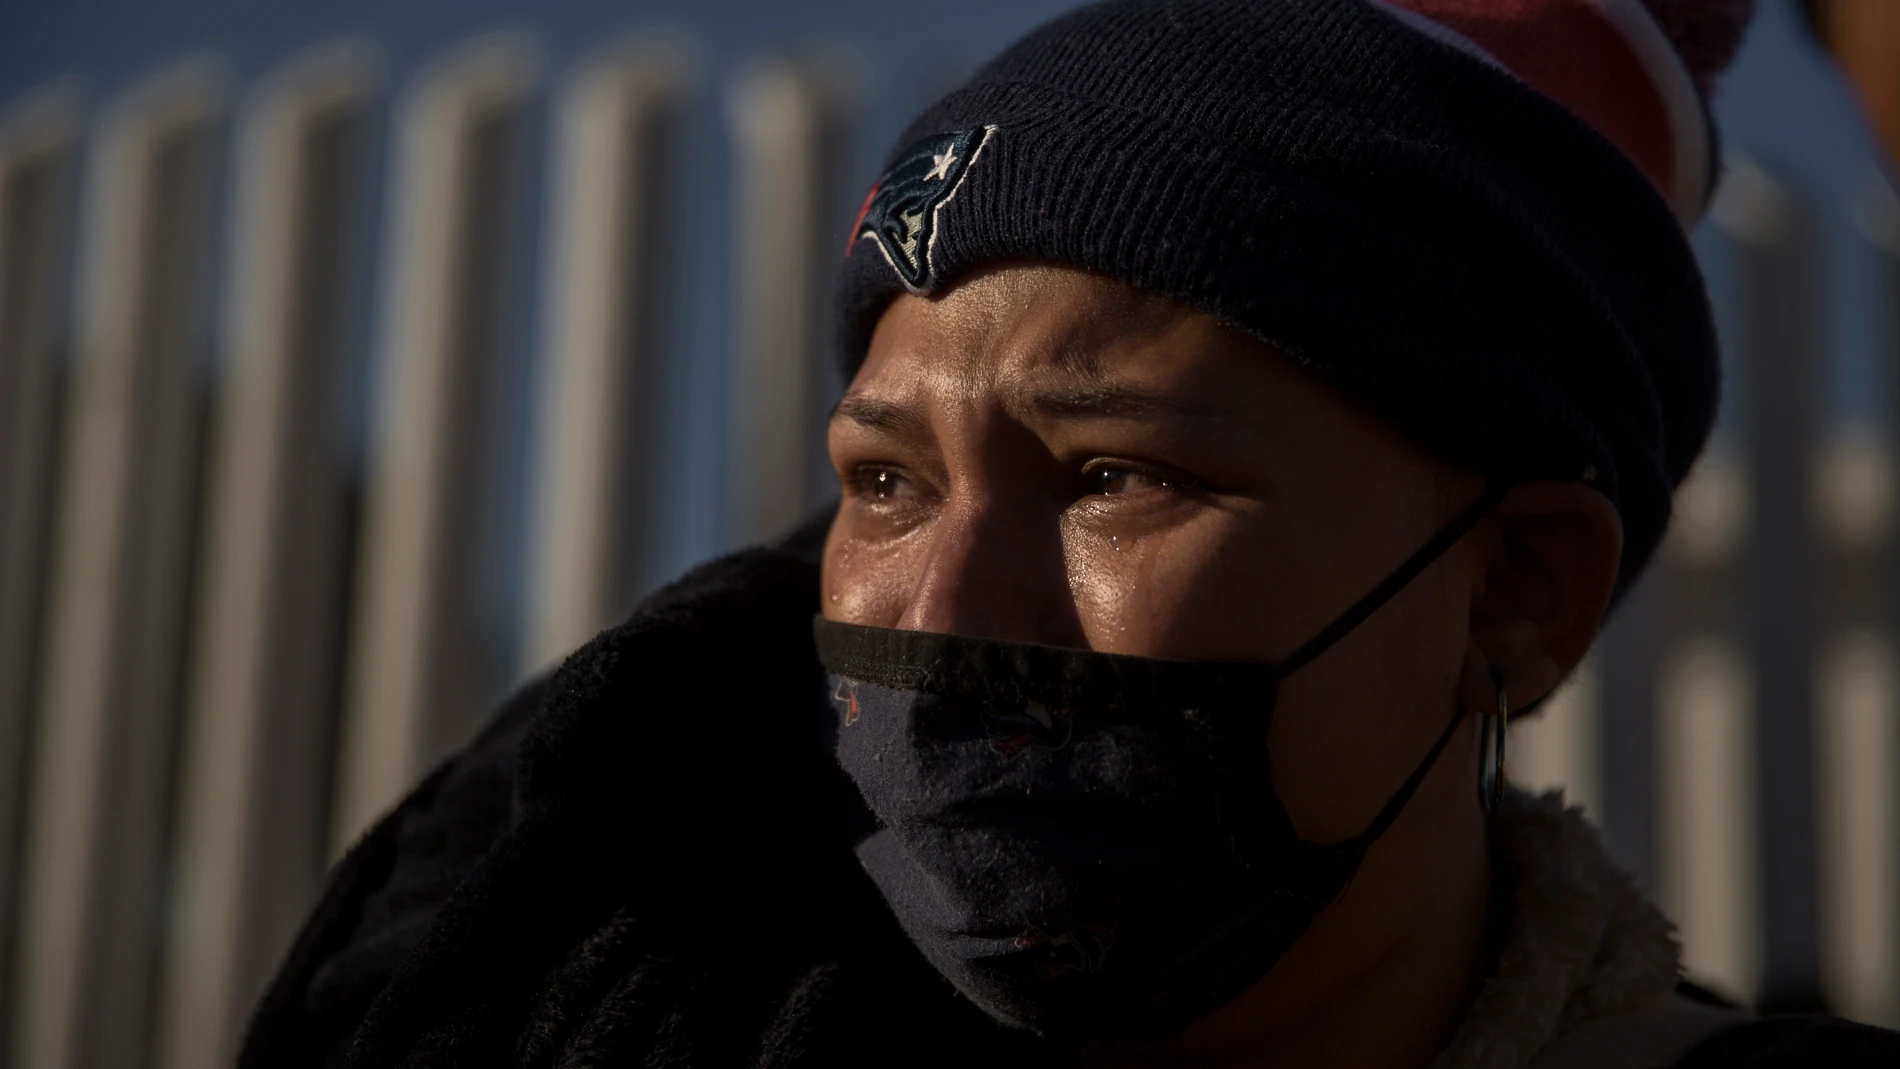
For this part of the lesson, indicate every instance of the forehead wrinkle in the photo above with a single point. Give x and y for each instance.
(1072, 372)
(1034, 351)
(1032, 319)
(1078, 353)
(1079, 347)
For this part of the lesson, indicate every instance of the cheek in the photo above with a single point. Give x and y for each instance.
(1203, 589)
(867, 581)
(1233, 584)
(1350, 727)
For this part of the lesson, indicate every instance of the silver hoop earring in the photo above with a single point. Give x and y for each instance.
(1491, 748)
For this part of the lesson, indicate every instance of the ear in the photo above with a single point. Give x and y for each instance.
(1553, 555)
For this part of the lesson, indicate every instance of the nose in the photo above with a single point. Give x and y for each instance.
(994, 569)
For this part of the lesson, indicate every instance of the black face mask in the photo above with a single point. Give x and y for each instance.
(1089, 844)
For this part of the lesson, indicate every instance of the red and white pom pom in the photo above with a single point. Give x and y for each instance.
(1706, 33)
(1636, 70)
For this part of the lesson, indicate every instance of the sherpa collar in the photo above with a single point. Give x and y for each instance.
(1580, 943)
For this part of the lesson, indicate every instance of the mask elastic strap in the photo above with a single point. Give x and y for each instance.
(1416, 563)
(1404, 794)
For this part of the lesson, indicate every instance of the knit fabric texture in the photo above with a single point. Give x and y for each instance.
(1461, 254)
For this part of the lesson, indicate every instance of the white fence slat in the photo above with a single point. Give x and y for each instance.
(788, 117)
(38, 142)
(1706, 829)
(119, 590)
(1858, 729)
(1560, 746)
(413, 690)
(250, 842)
(613, 155)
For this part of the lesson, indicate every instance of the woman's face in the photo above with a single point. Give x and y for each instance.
(1048, 456)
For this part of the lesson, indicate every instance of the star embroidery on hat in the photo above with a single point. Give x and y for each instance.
(941, 164)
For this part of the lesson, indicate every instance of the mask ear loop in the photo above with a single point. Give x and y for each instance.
(1420, 560)
(1491, 748)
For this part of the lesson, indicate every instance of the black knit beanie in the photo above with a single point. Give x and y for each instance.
(1375, 188)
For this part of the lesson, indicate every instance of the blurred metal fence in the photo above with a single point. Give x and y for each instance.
(226, 646)
(1737, 730)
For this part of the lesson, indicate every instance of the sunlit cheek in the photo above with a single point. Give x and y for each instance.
(1187, 591)
(1101, 571)
(870, 581)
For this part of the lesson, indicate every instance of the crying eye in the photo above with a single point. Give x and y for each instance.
(1111, 479)
(880, 483)
(1117, 480)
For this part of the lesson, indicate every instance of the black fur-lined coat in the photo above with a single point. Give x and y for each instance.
(646, 860)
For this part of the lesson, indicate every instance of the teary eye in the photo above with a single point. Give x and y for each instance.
(1116, 480)
(1111, 478)
(878, 483)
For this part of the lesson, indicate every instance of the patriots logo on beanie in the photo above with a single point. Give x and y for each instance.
(901, 211)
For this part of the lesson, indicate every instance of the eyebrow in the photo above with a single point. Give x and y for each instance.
(1123, 402)
(1111, 402)
(880, 415)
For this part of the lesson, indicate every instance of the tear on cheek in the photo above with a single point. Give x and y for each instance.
(866, 582)
(1105, 588)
